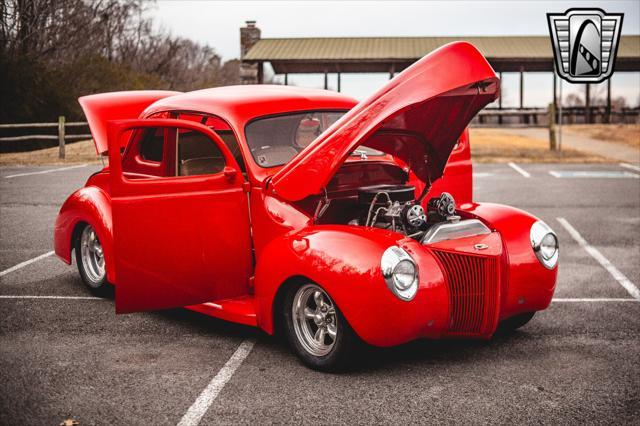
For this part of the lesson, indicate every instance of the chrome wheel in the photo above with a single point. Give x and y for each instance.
(92, 257)
(314, 320)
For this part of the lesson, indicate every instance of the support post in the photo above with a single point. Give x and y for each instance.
(286, 79)
(392, 71)
(552, 127)
(326, 80)
(500, 100)
(560, 118)
(61, 153)
(521, 88)
(587, 104)
(555, 94)
(608, 115)
(339, 83)
(260, 73)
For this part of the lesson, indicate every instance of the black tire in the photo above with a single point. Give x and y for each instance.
(345, 348)
(515, 322)
(99, 288)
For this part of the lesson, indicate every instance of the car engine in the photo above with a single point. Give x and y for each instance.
(394, 207)
(378, 195)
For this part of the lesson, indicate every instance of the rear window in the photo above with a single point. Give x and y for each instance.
(223, 130)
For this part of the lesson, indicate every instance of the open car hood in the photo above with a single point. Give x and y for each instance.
(103, 107)
(417, 117)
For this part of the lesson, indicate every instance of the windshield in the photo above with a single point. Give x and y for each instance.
(274, 141)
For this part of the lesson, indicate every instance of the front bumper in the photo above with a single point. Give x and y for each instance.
(465, 289)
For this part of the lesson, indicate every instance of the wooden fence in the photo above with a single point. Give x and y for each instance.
(61, 137)
(489, 117)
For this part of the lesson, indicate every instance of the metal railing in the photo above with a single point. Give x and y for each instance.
(512, 117)
(539, 117)
(61, 137)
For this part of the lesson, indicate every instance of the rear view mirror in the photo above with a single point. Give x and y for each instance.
(230, 172)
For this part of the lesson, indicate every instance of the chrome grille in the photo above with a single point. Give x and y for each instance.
(473, 292)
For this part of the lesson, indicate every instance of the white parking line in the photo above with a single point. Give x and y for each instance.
(615, 272)
(5, 296)
(201, 405)
(45, 171)
(519, 169)
(482, 175)
(593, 174)
(596, 299)
(25, 263)
(630, 166)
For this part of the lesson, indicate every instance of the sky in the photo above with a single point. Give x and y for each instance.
(217, 24)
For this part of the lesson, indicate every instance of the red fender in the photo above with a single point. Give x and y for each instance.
(93, 206)
(528, 286)
(345, 262)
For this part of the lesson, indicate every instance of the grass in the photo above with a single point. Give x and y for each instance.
(627, 134)
(75, 153)
(487, 146)
(499, 146)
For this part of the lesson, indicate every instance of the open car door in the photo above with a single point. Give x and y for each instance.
(181, 236)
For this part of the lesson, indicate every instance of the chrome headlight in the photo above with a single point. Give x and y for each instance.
(400, 272)
(545, 244)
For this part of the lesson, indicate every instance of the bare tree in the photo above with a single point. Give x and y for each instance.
(573, 99)
(52, 51)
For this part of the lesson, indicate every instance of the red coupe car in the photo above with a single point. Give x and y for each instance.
(306, 213)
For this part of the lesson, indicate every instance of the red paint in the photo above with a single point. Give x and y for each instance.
(530, 285)
(225, 244)
(421, 112)
(101, 108)
(90, 205)
(179, 240)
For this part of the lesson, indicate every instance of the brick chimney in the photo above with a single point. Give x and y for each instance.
(249, 71)
(249, 36)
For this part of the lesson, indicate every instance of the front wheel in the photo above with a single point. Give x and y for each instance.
(91, 262)
(515, 322)
(317, 331)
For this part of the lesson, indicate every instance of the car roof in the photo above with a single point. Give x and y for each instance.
(240, 104)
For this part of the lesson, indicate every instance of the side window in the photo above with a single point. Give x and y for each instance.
(222, 129)
(152, 145)
(197, 155)
(144, 155)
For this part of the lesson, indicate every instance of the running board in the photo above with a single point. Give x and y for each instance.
(240, 310)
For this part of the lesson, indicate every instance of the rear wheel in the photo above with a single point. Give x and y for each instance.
(317, 331)
(91, 262)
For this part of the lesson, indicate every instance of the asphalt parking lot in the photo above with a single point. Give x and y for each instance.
(70, 357)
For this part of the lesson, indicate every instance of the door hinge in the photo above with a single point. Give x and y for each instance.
(246, 186)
